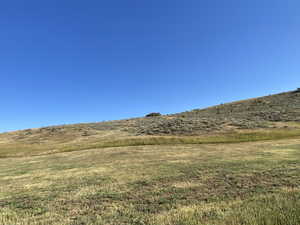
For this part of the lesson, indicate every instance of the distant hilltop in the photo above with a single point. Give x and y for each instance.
(273, 111)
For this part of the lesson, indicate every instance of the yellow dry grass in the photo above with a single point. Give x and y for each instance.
(187, 184)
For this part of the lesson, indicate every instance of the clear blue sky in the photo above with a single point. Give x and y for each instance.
(71, 61)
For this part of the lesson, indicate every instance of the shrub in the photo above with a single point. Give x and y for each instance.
(153, 114)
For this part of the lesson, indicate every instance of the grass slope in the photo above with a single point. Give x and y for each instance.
(270, 112)
(237, 163)
(22, 149)
(253, 183)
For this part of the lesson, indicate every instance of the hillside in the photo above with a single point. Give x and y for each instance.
(263, 112)
(278, 113)
(232, 164)
(274, 111)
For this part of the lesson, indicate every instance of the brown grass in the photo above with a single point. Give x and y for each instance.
(249, 183)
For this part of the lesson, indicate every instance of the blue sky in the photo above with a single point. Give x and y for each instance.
(75, 61)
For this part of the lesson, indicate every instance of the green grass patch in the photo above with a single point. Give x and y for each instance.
(235, 137)
(19, 150)
(275, 209)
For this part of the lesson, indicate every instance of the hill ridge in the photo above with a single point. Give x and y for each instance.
(264, 118)
(260, 112)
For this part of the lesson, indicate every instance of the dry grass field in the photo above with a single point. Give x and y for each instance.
(152, 181)
(232, 164)
(16, 145)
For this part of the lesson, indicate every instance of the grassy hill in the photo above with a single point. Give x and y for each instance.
(265, 118)
(232, 164)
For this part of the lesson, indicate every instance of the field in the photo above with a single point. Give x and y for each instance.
(249, 179)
